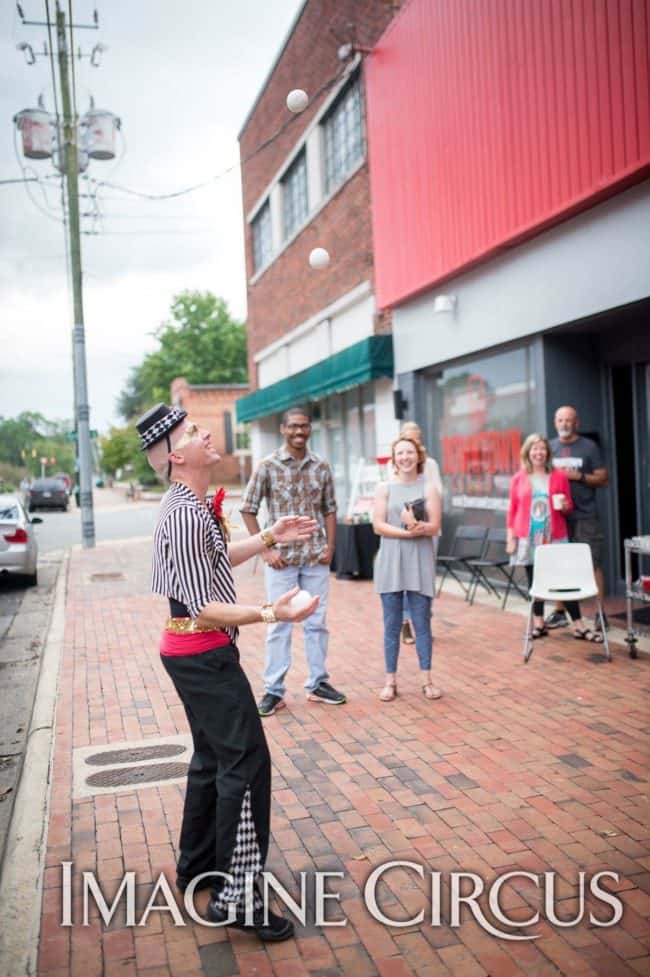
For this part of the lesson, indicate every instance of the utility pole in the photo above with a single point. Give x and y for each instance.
(82, 409)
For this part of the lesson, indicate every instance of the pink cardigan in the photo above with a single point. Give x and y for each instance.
(521, 494)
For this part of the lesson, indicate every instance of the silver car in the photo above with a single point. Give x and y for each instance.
(18, 544)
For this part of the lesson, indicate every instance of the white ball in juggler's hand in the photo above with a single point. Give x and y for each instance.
(319, 258)
(301, 600)
(297, 100)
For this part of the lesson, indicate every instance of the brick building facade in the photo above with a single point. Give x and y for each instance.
(315, 335)
(213, 406)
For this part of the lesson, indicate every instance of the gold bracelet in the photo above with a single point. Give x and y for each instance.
(267, 538)
(268, 614)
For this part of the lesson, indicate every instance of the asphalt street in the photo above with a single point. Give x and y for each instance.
(114, 519)
(25, 615)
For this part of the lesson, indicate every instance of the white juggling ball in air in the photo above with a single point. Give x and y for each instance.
(297, 100)
(319, 258)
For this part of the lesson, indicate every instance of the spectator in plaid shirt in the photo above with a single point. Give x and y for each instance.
(295, 480)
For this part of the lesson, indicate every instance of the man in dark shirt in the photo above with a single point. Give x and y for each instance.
(581, 460)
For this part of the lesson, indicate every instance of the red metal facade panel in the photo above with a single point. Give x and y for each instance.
(489, 120)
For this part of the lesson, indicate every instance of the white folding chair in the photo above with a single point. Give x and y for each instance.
(563, 571)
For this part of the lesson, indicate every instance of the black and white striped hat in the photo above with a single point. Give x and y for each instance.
(157, 422)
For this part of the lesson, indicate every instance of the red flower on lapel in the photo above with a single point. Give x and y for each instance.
(217, 502)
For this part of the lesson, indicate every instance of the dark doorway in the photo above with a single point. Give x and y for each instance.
(626, 467)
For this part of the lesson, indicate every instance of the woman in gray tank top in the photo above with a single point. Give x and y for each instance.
(405, 562)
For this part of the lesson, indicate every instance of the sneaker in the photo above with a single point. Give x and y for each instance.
(325, 693)
(269, 704)
(274, 930)
(557, 619)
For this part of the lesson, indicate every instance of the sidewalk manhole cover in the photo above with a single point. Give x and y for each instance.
(125, 776)
(99, 577)
(135, 755)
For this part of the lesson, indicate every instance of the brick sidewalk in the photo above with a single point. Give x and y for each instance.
(542, 767)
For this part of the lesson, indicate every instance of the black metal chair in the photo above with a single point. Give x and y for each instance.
(494, 557)
(468, 544)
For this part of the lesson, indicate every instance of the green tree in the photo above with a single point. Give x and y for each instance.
(18, 435)
(201, 342)
(62, 451)
(121, 450)
(118, 448)
(29, 436)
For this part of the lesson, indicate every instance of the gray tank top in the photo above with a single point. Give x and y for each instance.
(404, 564)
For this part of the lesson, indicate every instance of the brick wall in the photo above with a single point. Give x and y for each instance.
(289, 291)
(207, 406)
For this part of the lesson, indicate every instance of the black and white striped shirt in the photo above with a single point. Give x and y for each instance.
(190, 557)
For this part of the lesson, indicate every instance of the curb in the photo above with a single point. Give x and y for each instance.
(21, 885)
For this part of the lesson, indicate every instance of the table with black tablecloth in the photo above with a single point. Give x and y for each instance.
(356, 545)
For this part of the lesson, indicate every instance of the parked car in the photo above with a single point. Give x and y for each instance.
(48, 493)
(18, 544)
(65, 478)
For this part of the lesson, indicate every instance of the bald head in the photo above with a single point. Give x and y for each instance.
(410, 429)
(566, 423)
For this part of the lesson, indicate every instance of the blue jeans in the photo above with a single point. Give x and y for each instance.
(420, 611)
(315, 579)
(406, 615)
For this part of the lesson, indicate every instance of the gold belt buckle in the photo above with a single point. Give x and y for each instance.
(184, 625)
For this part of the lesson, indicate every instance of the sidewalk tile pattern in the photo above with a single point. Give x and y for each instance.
(529, 768)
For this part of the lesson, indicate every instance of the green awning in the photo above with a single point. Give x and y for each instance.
(367, 360)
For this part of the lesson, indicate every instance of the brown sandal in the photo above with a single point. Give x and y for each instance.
(388, 692)
(429, 691)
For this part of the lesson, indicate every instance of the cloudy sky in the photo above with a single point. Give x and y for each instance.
(182, 77)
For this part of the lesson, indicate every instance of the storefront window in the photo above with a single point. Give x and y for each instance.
(343, 432)
(336, 446)
(352, 426)
(368, 421)
(479, 414)
(317, 441)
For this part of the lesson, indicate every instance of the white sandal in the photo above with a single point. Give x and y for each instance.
(388, 692)
(429, 691)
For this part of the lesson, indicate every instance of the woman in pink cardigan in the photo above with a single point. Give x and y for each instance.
(539, 498)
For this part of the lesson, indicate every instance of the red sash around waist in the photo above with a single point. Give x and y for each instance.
(192, 644)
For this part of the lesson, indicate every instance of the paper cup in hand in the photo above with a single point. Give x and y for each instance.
(301, 600)
(558, 500)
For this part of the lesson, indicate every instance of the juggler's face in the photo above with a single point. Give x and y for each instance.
(194, 446)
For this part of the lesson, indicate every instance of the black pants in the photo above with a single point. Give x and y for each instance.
(572, 606)
(228, 799)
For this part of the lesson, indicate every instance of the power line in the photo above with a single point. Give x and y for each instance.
(26, 180)
(170, 232)
(206, 183)
(20, 179)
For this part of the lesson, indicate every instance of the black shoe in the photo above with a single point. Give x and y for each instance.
(274, 930)
(557, 619)
(325, 693)
(182, 882)
(269, 704)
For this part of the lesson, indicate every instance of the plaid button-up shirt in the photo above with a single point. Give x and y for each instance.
(291, 487)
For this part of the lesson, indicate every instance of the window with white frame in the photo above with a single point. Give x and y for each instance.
(343, 136)
(295, 204)
(262, 238)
